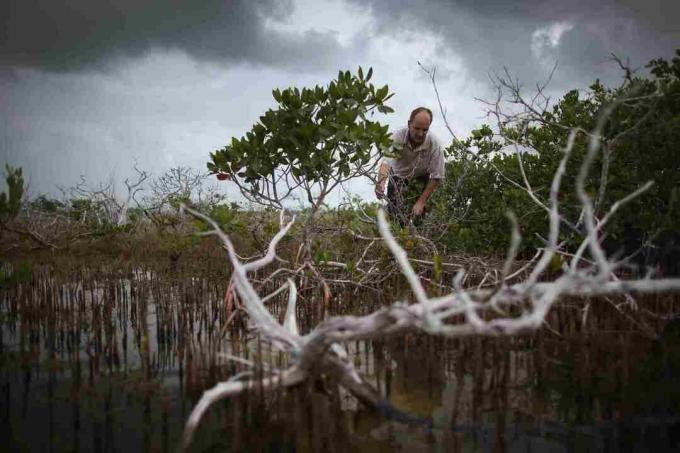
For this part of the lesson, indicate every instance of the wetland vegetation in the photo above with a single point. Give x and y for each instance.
(112, 358)
(125, 325)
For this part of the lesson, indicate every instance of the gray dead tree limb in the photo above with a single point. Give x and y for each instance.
(482, 310)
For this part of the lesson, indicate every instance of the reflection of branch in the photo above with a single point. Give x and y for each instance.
(226, 389)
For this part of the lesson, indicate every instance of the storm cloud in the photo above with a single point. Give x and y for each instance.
(89, 87)
(96, 34)
(530, 36)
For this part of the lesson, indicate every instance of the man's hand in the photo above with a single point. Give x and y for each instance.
(380, 191)
(383, 171)
(418, 208)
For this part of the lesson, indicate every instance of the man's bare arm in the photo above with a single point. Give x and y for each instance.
(383, 171)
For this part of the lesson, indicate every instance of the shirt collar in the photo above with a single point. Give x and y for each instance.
(421, 147)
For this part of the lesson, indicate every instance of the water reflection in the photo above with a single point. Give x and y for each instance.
(103, 360)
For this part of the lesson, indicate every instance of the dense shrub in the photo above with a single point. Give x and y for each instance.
(639, 142)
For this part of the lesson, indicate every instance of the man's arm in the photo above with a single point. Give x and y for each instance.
(419, 206)
(383, 171)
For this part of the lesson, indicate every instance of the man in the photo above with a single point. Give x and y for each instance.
(415, 172)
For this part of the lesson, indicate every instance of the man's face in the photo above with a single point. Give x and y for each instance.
(418, 127)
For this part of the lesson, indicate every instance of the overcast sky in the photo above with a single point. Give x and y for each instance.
(88, 87)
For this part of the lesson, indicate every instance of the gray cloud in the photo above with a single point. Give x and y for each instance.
(86, 34)
(92, 107)
(492, 34)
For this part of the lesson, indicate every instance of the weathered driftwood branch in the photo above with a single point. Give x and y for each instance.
(319, 351)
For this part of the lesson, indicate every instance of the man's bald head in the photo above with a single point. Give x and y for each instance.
(418, 125)
(418, 111)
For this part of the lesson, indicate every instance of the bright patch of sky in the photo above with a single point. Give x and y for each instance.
(545, 39)
(345, 21)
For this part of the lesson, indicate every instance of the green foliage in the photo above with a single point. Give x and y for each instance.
(227, 217)
(317, 133)
(93, 214)
(639, 143)
(19, 272)
(10, 202)
(136, 215)
(438, 267)
(88, 212)
(83, 210)
(45, 204)
(176, 244)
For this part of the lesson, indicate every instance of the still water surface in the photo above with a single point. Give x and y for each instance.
(110, 360)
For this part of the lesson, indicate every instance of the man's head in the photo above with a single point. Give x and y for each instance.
(419, 124)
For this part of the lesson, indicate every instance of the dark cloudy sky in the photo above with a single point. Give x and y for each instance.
(88, 87)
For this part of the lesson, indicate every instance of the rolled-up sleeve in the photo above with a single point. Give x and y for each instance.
(386, 160)
(397, 143)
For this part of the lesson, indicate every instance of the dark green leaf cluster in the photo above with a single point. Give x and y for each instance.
(639, 143)
(19, 272)
(317, 133)
(44, 203)
(10, 202)
(227, 217)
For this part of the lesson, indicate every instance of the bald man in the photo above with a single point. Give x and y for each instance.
(415, 172)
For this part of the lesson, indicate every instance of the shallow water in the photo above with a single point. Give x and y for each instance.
(110, 360)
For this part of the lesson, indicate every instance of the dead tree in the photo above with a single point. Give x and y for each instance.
(104, 205)
(175, 186)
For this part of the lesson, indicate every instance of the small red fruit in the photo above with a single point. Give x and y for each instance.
(222, 176)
